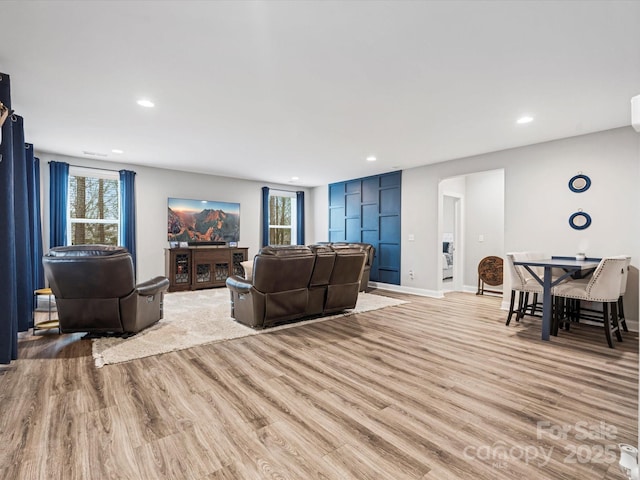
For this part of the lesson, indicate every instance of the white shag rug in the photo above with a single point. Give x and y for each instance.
(199, 317)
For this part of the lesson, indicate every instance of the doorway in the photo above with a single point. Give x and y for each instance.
(451, 243)
(470, 227)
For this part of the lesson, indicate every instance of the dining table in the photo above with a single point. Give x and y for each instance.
(570, 265)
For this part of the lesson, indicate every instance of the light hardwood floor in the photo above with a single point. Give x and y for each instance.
(432, 389)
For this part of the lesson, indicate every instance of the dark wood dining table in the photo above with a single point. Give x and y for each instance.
(570, 266)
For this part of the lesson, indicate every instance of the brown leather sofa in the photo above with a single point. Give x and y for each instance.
(95, 291)
(294, 282)
(370, 253)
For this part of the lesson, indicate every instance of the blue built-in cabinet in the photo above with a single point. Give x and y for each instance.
(368, 210)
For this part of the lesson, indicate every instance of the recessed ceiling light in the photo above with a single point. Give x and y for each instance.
(146, 103)
(525, 119)
(295, 178)
(371, 158)
(118, 151)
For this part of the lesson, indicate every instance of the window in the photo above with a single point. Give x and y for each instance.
(94, 207)
(282, 218)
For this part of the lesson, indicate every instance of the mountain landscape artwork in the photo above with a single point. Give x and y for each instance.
(197, 221)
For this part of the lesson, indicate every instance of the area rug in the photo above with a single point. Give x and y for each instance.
(199, 317)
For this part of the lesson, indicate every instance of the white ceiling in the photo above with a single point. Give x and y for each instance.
(272, 90)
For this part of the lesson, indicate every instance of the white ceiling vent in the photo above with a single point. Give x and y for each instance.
(95, 154)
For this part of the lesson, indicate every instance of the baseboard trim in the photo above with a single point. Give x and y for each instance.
(632, 325)
(410, 290)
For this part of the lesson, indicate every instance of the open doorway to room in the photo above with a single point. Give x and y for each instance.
(471, 227)
(451, 242)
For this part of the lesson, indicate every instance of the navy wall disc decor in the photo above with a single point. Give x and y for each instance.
(579, 183)
(580, 220)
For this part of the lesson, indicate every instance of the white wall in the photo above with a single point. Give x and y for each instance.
(484, 208)
(320, 232)
(155, 185)
(537, 202)
(454, 187)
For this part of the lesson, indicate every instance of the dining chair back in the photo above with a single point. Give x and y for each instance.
(539, 271)
(522, 282)
(623, 289)
(515, 274)
(604, 286)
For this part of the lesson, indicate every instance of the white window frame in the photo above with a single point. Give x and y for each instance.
(95, 173)
(294, 213)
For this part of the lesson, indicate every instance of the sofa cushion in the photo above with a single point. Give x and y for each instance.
(278, 269)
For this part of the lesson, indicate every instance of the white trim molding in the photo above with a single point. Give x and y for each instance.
(410, 290)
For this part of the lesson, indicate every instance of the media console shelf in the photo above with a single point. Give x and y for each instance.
(194, 268)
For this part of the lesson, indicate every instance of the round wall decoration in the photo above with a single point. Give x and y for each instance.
(579, 183)
(580, 220)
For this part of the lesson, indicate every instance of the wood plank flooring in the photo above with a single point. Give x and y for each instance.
(431, 389)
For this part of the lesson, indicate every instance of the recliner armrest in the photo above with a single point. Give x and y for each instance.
(239, 284)
(153, 286)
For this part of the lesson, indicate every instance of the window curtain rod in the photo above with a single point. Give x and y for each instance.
(281, 190)
(94, 168)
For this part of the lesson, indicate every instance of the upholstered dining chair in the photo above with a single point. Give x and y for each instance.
(604, 286)
(523, 283)
(623, 290)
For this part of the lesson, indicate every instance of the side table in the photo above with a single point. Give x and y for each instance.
(50, 323)
(490, 273)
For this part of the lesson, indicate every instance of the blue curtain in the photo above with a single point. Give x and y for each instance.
(23, 253)
(300, 217)
(128, 213)
(20, 235)
(59, 184)
(265, 216)
(8, 289)
(35, 224)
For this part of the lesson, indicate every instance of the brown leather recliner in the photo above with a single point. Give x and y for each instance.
(95, 291)
(320, 278)
(278, 290)
(344, 283)
(370, 252)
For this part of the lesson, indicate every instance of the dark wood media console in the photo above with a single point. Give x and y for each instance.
(194, 268)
